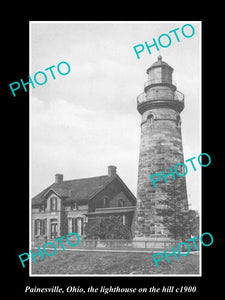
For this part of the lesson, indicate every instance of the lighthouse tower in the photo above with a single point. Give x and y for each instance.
(161, 149)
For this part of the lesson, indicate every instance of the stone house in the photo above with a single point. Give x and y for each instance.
(66, 206)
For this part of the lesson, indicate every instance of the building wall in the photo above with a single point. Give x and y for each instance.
(114, 202)
(160, 148)
(76, 215)
(113, 194)
(67, 214)
(49, 215)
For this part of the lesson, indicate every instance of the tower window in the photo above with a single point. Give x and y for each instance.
(150, 119)
(178, 121)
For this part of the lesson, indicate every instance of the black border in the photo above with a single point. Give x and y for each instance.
(17, 172)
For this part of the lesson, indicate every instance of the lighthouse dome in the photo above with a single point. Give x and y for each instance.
(159, 64)
(159, 73)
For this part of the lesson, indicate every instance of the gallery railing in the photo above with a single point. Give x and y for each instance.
(177, 96)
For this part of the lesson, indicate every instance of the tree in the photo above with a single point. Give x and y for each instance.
(193, 219)
(92, 228)
(107, 228)
(174, 213)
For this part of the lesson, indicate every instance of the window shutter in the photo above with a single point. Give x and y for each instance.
(44, 226)
(35, 227)
(41, 227)
(82, 224)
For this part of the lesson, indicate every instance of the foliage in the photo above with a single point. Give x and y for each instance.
(174, 213)
(193, 219)
(107, 228)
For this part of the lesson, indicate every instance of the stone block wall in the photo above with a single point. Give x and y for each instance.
(160, 148)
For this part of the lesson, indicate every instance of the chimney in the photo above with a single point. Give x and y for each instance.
(58, 178)
(111, 171)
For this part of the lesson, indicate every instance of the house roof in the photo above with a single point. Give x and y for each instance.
(78, 189)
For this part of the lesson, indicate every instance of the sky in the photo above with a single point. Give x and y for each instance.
(84, 121)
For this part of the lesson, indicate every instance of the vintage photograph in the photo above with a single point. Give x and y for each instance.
(115, 148)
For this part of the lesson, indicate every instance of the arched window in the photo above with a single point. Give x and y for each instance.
(54, 228)
(53, 204)
(150, 119)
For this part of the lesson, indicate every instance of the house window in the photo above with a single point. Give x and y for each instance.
(53, 204)
(150, 119)
(40, 227)
(106, 202)
(54, 228)
(43, 227)
(42, 207)
(76, 225)
(121, 202)
(73, 206)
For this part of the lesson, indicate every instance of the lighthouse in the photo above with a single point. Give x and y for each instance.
(160, 106)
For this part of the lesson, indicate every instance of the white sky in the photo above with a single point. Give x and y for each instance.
(84, 121)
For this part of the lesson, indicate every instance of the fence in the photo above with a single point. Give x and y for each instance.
(150, 244)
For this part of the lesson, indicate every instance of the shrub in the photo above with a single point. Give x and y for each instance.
(107, 228)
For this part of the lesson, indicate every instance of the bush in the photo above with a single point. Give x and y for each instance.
(107, 228)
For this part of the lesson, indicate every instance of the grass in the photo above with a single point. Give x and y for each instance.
(80, 262)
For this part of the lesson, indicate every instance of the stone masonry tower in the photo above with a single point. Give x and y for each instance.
(160, 148)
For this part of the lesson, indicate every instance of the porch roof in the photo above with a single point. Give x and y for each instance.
(111, 210)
